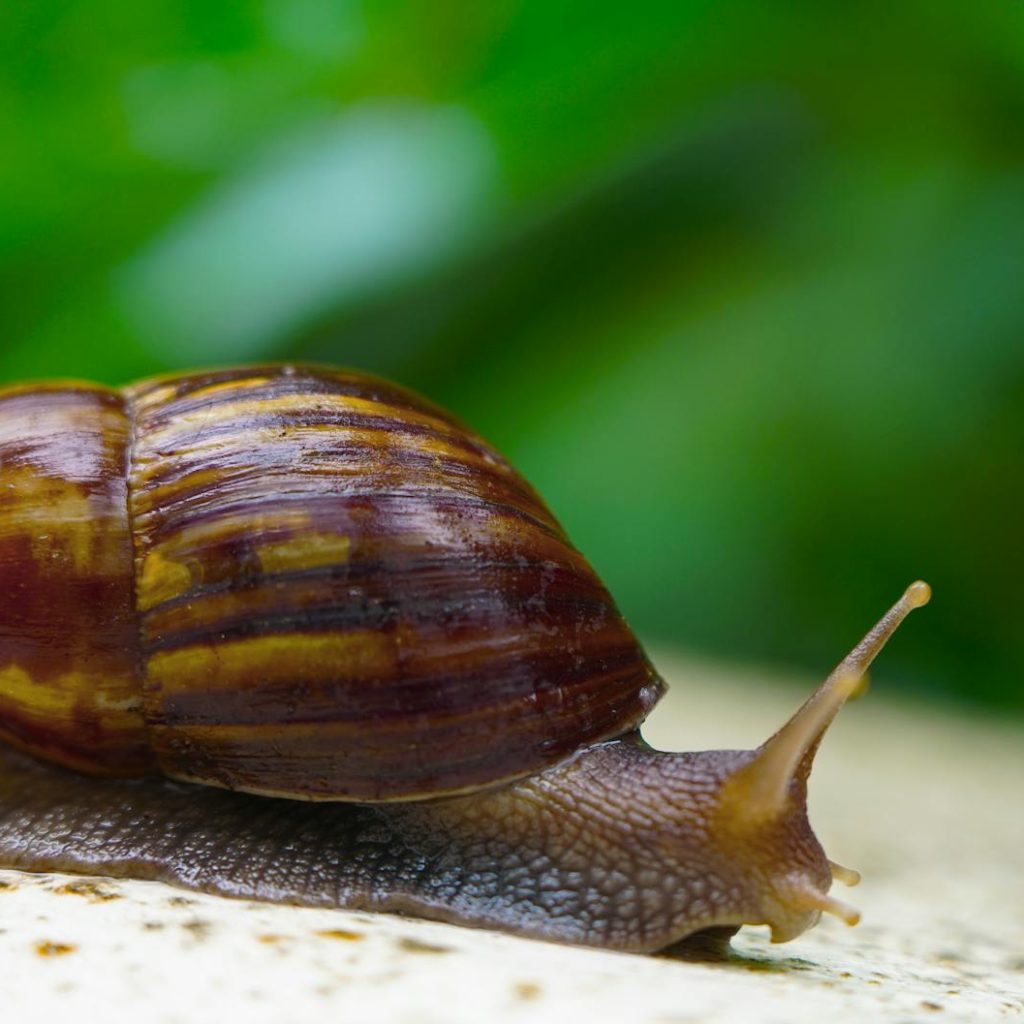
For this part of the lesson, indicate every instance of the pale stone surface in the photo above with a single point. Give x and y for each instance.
(928, 805)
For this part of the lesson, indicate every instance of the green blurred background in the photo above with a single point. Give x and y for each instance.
(739, 286)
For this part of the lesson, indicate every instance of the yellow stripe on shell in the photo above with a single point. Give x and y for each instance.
(170, 570)
(161, 579)
(309, 404)
(249, 438)
(264, 661)
(59, 705)
(309, 551)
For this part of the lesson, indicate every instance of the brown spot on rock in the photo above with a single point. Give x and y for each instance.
(89, 890)
(526, 990)
(199, 929)
(341, 933)
(47, 948)
(416, 946)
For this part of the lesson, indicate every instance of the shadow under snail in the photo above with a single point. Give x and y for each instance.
(295, 634)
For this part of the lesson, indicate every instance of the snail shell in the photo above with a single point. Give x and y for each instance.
(292, 581)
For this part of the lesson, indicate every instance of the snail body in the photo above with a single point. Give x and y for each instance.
(296, 634)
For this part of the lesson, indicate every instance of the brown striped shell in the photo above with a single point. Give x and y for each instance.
(296, 581)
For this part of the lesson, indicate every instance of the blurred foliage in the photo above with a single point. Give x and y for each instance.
(738, 286)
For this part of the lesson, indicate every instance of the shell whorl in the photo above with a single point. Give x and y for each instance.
(69, 689)
(340, 593)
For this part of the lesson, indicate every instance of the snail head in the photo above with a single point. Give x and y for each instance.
(759, 814)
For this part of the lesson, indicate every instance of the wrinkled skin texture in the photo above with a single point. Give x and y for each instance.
(621, 847)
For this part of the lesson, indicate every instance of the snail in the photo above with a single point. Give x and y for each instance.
(295, 634)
